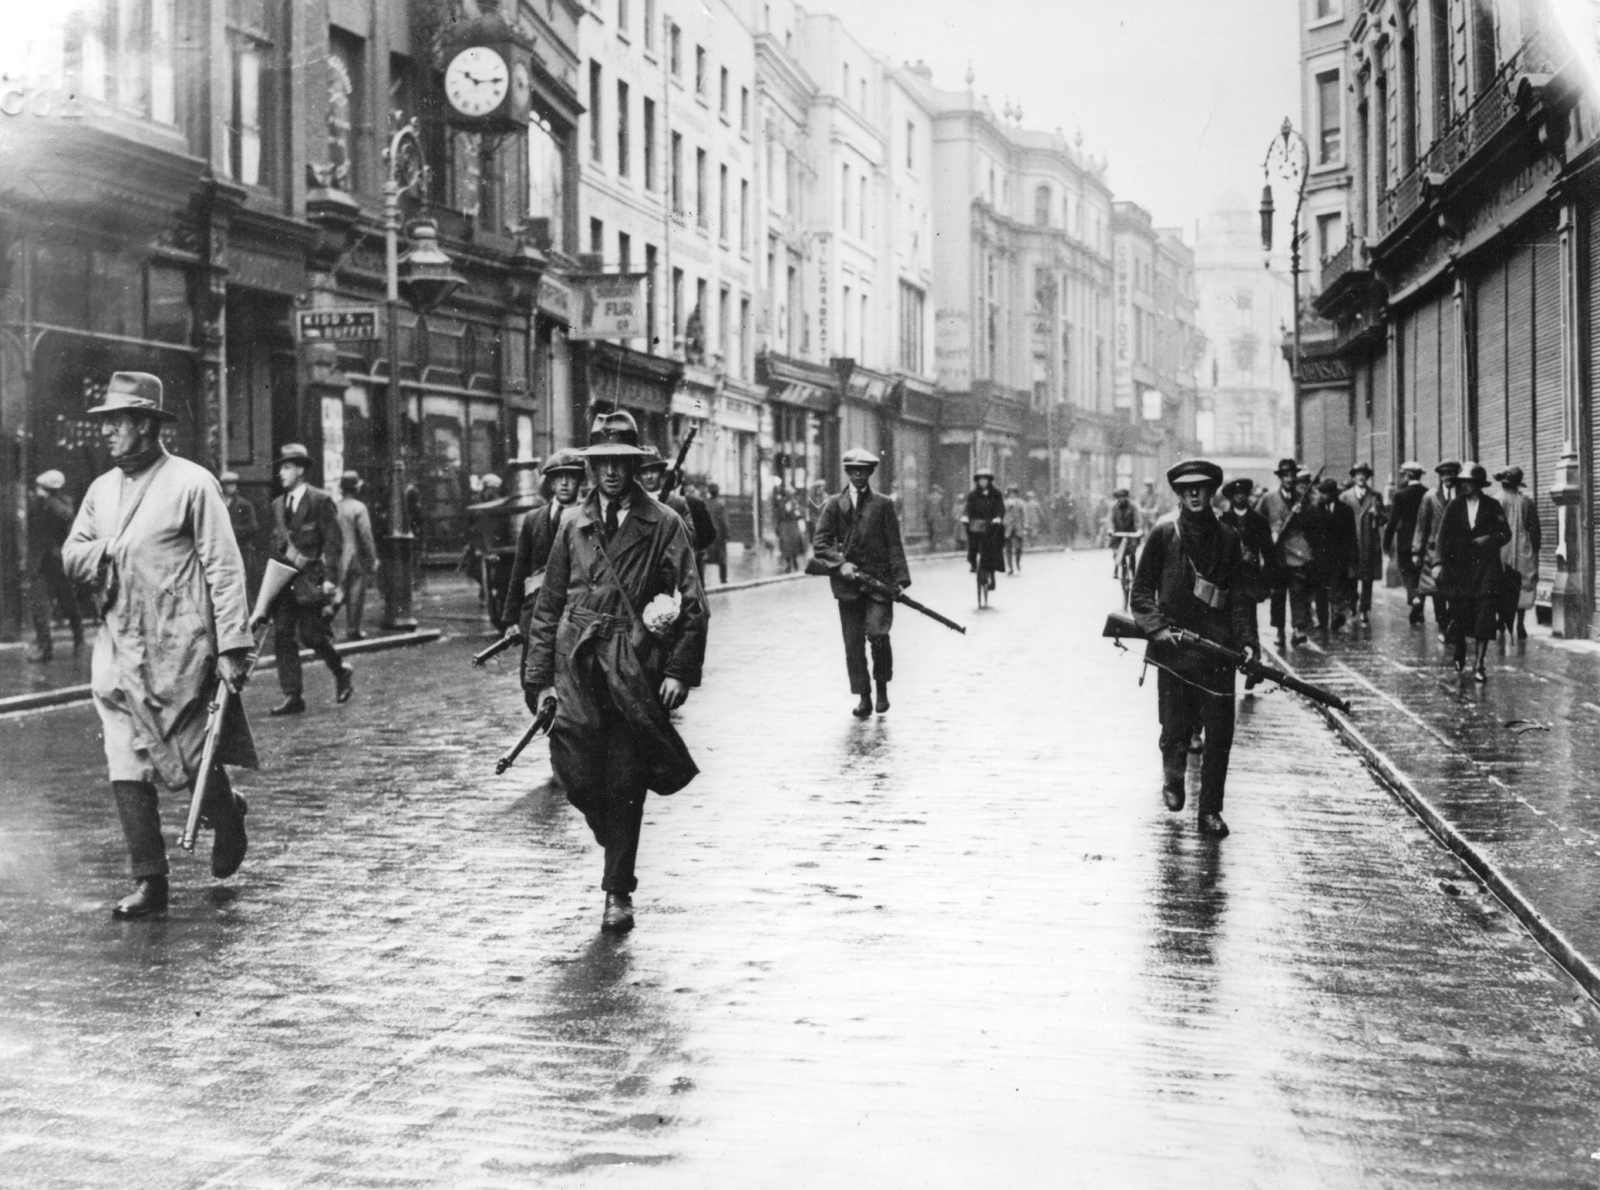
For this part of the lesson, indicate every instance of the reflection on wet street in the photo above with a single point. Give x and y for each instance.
(959, 945)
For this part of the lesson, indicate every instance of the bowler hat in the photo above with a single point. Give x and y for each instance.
(293, 452)
(133, 392)
(1238, 487)
(1448, 467)
(565, 459)
(1193, 471)
(1287, 467)
(614, 435)
(856, 457)
(51, 481)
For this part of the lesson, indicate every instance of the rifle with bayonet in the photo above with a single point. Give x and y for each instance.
(870, 585)
(1119, 626)
(542, 723)
(674, 477)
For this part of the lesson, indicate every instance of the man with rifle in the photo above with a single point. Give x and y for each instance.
(1192, 577)
(858, 532)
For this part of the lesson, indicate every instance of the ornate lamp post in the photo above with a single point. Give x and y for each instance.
(1289, 158)
(425, 278)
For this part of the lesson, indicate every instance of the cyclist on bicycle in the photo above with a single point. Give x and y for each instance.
(985, 516)
(1127, 529)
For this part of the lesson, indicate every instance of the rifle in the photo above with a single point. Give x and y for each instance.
(541, 723)
(871, 585)
(1119, 626)
(674, 477)
(510, 640)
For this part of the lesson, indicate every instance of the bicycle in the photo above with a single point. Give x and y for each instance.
(980, 530)
(1126, 544)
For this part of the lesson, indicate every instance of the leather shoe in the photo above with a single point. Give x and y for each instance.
(229, 842)
(149, 897)
(1172, 790)
(293, 705)
(1480, 674)
(1212, 825)
(344, 684)
(863, 707)
(882, 704)
(618, 918)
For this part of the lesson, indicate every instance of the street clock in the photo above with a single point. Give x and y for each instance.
(486, 76)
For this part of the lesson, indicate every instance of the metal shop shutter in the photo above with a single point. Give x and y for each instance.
(1588, 394)
(1519, 364)
(1382, 458)
(1490, 340)
(1425, 385)
(1449, 388)
(1547, 427)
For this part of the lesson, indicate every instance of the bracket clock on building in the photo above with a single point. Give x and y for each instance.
(486, 82)
(477, 81)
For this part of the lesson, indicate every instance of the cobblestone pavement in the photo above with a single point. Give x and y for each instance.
(1528, 795)
(958, 945)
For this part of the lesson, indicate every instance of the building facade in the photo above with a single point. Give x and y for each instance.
(1463, 299)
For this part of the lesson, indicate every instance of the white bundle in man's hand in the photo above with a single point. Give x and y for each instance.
(661, 613)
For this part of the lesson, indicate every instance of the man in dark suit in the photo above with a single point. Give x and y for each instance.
(859, 531)
(563, 474)
(1472, 532)
(1401, 527)
(1255, 534)
(305, 535)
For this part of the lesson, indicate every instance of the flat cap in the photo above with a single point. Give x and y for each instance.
(1413, 467)
(1193, 471)
(1238, 487)
(1448, 467)
(857, 457)
(565, 459)
(981, 472)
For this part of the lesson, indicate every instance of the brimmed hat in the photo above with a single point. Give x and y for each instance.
(1328, 486)
(1238, 487)
(293, 452)
(1511, 475)
(981, 472)
(491, 480)
(614, 435)
(1448, 467)
(1119, 493)
(1474, 473)
(1287, 467)
(1193, 471)
(565, 459)
(51, 481)
(133, 392)
(1412, 466)
(1362, 469)
(857, 457)
(350, 480)
(228, 477)
(653, 460)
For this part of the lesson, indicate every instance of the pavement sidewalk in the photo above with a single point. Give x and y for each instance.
(1518, 801)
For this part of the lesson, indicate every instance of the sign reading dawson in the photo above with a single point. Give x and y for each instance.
(610, 307)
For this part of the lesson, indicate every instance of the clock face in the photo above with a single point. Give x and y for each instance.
(521, 85)
(476, 80)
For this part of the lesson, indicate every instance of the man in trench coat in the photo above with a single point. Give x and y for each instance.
(1425, 544)
(859, 530)
(1367, 505)
(617, 666)
(154, 538)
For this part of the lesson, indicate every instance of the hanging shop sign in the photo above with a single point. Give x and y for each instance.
(610, 307)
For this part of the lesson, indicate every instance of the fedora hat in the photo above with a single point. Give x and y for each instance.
(652, 460)
(1362, 469)
(1287, 467)
(133, 392)
(293, 452)
(615, 436)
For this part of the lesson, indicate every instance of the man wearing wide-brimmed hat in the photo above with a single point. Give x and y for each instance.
(859, 531)
(1401, 529)
(1367, 505)
(154, 539)
(1192, 575)
(1520, 557)
(1472, 533)
(306, 535)
(618, 637)
(1425, 543)
(1289, 565)
(49, 522)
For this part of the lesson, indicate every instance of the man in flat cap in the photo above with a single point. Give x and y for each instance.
(1125, 527)
(49, 522)
(358, 558)
(1366, 504)
(859, 530)
(1401, 528)
(563, 479)
(1255, 535)
(1425, 544)
(153, 538)
(305, 535)
(1289, 574)
(1192, 575)
(617, 638)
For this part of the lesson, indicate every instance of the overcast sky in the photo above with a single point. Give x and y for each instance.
(1181, 96)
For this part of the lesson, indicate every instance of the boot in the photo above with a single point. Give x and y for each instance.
(229, 842)
(344, 684)
(863, 707)
(1212, 826)
(882, 704)
(293, 705)
(618, 917)
(148, 898)
(1172, 777)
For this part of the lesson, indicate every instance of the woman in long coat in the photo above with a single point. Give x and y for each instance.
(1521, 554)
(985, 509)
(1471, 535)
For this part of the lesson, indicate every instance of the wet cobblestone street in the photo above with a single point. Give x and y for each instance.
(959, 945)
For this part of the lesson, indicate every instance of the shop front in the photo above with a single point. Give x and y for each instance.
(609, 376)
(734, 464)
(914, 406)
(803, 405)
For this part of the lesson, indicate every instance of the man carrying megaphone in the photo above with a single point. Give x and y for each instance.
(154, 538)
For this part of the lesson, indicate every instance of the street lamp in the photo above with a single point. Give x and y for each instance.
(425, 278)
(1290, 159)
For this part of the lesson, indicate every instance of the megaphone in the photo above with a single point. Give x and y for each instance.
(277, 578)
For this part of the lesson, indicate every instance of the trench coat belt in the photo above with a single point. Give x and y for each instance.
(593, 625)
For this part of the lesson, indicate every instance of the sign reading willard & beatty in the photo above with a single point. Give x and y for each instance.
(342, 324)
(609, 307)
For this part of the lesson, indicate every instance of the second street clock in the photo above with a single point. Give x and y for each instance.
(476, 81)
